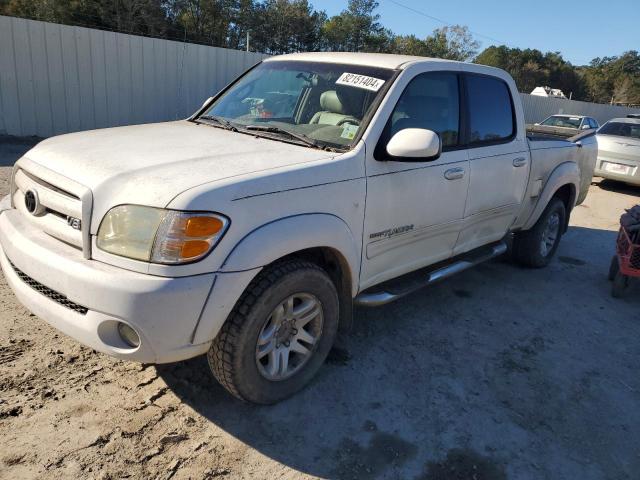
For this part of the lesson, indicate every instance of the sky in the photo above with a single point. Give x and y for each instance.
(580, 30)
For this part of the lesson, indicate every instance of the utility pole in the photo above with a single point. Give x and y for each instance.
(247, 40)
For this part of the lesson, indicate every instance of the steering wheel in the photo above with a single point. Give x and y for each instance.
(351, 120)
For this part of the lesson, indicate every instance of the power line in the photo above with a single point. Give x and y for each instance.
(419, 12)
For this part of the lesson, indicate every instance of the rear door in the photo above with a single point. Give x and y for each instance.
(499, 160)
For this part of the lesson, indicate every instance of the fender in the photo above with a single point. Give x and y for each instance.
(282, 237)
(263, 246)
(567, 173)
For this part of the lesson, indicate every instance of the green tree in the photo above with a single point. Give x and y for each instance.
(531, 68)
(285, 26)
(451, 43)
(614, 79)
(145, 17)
(357, 29)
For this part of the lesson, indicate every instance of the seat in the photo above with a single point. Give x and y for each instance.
(333, 110)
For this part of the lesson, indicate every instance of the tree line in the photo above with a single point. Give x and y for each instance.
(285, 26)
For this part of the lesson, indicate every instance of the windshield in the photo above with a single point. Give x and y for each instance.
(320, 103)
(570, 122)
(620, 129)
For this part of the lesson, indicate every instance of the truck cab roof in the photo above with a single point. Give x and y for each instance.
(381, 60)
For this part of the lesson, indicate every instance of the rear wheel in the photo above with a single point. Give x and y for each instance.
(536, 247)
(278, 334)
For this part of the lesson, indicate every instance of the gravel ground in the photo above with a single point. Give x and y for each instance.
(498, 373)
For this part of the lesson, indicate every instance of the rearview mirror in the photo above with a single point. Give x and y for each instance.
(415, 144)
(586, 127)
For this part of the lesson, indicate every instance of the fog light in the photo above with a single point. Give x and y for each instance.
(128, 335)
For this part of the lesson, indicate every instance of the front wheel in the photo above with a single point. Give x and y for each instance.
(536, 247)
(278, 334)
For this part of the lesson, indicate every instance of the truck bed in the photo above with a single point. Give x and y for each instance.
(546, 156)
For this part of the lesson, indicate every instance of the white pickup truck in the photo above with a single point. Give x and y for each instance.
(313, 183)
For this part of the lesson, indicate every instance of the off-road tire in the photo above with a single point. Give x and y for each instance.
(232, 353)
(527, 244)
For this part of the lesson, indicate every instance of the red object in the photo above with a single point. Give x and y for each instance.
(628, 254)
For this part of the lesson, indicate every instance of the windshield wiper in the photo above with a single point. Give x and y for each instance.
(298, 136)
(220, 121)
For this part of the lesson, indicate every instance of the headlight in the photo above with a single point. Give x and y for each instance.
(159, 236)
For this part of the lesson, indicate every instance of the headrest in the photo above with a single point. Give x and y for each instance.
(329, 101)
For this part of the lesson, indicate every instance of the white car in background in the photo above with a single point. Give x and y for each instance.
(619, 150)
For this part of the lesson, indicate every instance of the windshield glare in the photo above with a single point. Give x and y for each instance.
(620, 129)
(326, 102)
(570, 122)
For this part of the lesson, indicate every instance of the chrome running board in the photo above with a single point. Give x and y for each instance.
(398, 288)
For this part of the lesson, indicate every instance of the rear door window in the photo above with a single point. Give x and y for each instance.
(490, 108)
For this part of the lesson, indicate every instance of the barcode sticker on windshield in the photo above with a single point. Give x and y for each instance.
(360, 81)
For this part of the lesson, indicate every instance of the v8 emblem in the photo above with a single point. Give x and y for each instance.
(74, 223)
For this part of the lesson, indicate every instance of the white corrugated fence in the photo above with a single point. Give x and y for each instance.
(538, 108)
(57, 79)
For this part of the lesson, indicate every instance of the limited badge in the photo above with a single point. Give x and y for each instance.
(360, 81)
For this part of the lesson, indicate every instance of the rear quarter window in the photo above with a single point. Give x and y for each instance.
(490, 107)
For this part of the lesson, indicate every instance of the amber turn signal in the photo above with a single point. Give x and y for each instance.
(193, 248)
(203, 226)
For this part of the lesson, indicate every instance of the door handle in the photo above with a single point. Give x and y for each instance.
(519, 162)
(454, 173)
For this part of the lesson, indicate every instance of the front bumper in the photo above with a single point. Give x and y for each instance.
(164, 311)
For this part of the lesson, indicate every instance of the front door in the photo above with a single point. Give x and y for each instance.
(414, 210)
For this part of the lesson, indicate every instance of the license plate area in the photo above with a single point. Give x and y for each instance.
(617, 168)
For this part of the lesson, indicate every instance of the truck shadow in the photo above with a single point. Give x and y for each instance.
(469, 373)
(617, 187)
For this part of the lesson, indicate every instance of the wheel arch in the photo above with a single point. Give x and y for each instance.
(305, 234)
(563, 183)
(567, 193)
(321, 238)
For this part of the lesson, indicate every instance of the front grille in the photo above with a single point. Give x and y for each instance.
(51, 207)
(47, 292)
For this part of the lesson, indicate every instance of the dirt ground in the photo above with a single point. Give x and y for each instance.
(499, 373)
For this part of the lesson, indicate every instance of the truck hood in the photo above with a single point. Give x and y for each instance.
(151, 164)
